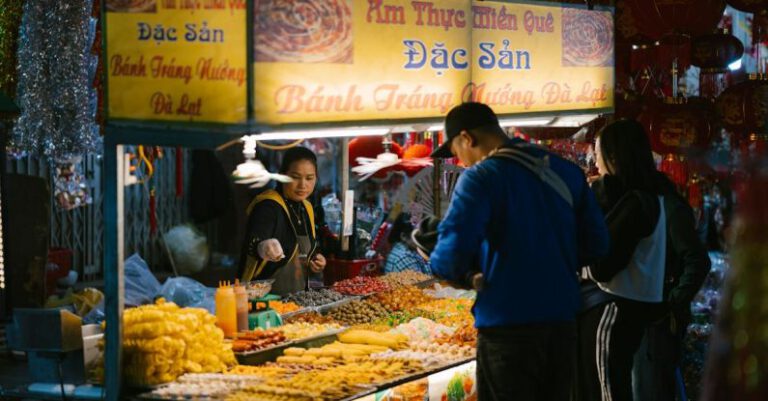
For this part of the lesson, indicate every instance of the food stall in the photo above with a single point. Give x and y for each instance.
(204, 74)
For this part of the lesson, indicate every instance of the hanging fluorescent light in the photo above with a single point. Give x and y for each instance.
(325, 133)
(435, 128)
(525, 122)
(252, 171)
(574, 121)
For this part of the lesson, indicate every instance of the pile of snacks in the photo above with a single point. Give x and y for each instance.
(257, 340)
(466, 335)
(451, 351)
(404, 278)
(205, 385)
(449, 306)
(284, 307)
(308, 317)
(402, 298)
(427, 360)
(398, 318)
(314, 297)
(163, 341)
(421, 329)
(297, 331)
(360, 285)
(333, 383)
(358, 312)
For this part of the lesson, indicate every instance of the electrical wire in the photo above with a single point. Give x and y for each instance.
(61, 377)
(280, 147)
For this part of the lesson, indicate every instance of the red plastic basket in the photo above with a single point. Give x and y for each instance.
(61, 257)
(340, 269)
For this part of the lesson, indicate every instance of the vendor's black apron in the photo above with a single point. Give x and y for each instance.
(294, 275)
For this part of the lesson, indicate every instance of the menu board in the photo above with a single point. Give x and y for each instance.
(177, 60)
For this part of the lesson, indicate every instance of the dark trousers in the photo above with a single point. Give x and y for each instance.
(609, 336)
(656, 362)
(526, 363)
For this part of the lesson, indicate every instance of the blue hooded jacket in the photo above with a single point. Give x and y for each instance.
(527, 240)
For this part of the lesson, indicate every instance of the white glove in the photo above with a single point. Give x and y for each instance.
(270, 250)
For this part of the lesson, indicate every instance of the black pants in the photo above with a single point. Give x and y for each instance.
(527, 363)
(609, 336)
(656, 362)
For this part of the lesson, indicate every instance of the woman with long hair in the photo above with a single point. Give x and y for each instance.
(281, 238)
(623, 293)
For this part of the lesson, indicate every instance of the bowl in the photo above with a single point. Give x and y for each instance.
(258, 288)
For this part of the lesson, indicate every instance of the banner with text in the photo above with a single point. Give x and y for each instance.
(177, 60)
(364, 60)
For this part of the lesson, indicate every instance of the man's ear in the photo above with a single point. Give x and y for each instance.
(468, 136)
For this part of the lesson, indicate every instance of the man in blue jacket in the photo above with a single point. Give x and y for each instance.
(520, 224)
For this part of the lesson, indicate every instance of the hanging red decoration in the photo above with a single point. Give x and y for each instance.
(658, 18)
(714, 52)
(371, 146)
(675, 128)
(415, 151)
(744, 107)
(676, 169)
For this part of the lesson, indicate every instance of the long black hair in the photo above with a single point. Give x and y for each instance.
(626, 150)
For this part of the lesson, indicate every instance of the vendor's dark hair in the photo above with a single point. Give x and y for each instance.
(295, 154)
(626, 150)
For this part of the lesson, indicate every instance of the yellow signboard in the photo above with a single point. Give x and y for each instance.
(345, 60)
(363, 60)
(177, 60)
(532, 58)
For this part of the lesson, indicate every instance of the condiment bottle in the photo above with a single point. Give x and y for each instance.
(226, 309)
(241, 301)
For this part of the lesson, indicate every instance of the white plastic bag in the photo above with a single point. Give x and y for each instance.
(188, 249)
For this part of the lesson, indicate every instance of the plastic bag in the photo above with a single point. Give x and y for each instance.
(141, 286)
(188, 249)
(186, 292)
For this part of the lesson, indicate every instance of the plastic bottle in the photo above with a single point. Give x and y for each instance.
(241, 301)
(226, 309)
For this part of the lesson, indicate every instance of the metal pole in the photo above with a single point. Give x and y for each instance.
(436, 176)
(113, 265)
(344, 188)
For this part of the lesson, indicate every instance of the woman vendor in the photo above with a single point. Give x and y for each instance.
(281, 241)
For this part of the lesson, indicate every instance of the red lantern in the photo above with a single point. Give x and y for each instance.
(714, 52)
(415, 151)
(675, 128)
(744, 107)
(750, 6)
(658, 18)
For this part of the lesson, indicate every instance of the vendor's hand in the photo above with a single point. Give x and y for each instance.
(271, 250)
(317, 264)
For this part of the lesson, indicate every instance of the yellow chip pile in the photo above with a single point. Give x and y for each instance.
(162, 341)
